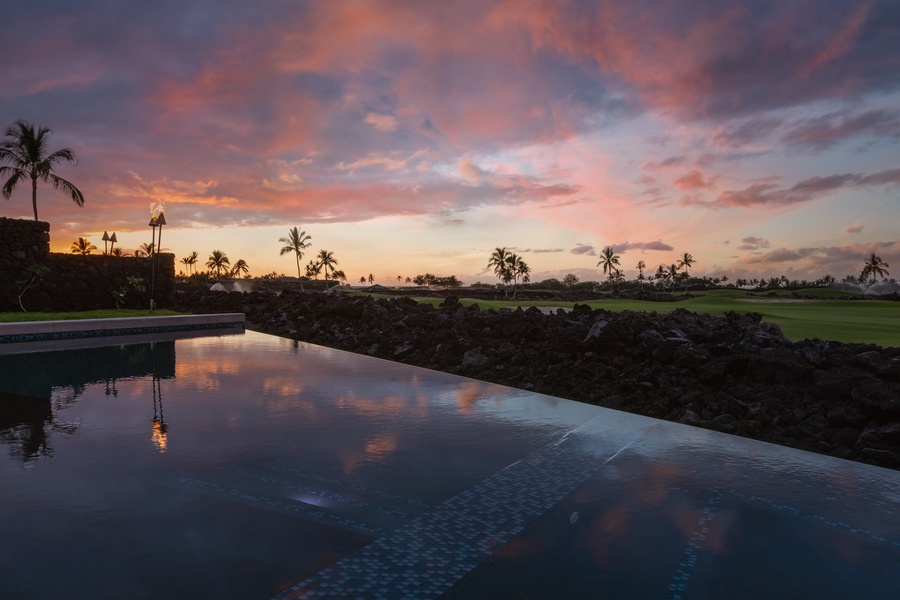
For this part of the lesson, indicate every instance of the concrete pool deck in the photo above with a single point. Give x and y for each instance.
(38, 336)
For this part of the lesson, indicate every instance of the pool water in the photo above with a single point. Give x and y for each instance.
(249, 466)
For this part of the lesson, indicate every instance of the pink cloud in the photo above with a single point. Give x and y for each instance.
(825, 131)
(753, 243)
(692, 181)
(767, 194)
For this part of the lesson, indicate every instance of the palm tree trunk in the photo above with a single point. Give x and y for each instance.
(34, 195)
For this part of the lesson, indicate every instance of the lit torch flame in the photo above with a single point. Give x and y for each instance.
(156, 209)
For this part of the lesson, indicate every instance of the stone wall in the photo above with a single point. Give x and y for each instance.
(22, 241)
(73, 282)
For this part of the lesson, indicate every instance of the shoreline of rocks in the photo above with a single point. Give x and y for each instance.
(734, 374)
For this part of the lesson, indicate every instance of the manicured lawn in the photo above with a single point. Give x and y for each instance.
(21, 317)
(862, 321)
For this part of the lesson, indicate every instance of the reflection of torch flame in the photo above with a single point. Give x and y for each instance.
(160, 437)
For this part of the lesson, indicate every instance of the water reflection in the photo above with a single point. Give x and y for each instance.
(23, 425)
(35, 389)
(160, 429)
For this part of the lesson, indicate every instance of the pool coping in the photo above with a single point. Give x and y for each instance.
(36, 336)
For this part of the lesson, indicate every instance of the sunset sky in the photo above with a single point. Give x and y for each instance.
(409, 137)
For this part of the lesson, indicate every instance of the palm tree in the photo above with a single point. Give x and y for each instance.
(371, 278)
(144, 250)
(313, 269)
(219, 262)
(609, 260)
(82, 247)
(660, 276)
(640, 267)
(500, 261)
(399, 280)
(28, 154)
(239, 268)
(874, 266)
(339, 275)
(686, 261)
(521, 270)
(327, 261)
(673, 275)
(116, 252)
(297, 241)
(362, 279)
(186, 261)
(193, 258)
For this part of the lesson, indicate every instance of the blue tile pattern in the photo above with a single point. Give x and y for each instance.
(49, 336)
(430, 553)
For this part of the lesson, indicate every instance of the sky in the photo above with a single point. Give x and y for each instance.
(762, 137)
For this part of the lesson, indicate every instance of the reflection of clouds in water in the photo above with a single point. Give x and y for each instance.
(467, 396)
(376, 449)
(282, 385)
(395, 407)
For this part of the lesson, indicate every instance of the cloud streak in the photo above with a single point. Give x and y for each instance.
(768, 194)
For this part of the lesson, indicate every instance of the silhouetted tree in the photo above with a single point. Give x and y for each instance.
(218, 262)
(82, 246)
(609, 260)
(27, 153)
(297, 241)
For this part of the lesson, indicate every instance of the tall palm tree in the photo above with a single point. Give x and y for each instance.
(609, 260)
(297, 241)
(327, 261)
(499, 260)
(874, 266)
(219, 262)
(27, 151)
(82, 246)
(240, 268)
(640, 267)
(660, 276)
(145, 249)
(686, 261)
(672, 275)
(520, 270)
(186, 261)
(193, 257)
(511, 260)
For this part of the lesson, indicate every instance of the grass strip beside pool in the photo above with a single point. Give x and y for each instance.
(22, 317)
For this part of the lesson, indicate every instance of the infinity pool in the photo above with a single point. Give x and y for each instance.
(249, 466)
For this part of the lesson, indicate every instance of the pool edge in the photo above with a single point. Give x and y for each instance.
(44, 335)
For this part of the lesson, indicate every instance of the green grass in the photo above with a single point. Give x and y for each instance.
(848, 321)
(21, 317)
